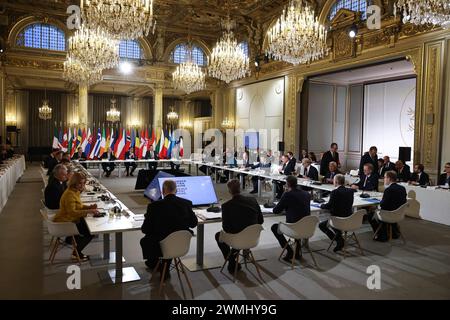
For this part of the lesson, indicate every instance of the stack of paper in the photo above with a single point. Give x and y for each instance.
(205, 215)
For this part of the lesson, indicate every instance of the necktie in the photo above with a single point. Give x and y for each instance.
(305, 172)
(448, 180)
(365, 181)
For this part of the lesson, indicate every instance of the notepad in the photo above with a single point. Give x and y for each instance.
(372, 200)
(205, 215)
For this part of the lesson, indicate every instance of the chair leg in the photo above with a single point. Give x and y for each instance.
(155, 269)
(345, 245)
(74, 247)
(245, 254)
(357, 242)
(225, 262)
(162, 277)
(332, 241)
(389, 228)
(256, 265)
(176, 267)
(293, 256)
(236, 266)
(401, 236)
(312, 256)
(55, 249)
(187, 278)
(376, 231)
(284, 249)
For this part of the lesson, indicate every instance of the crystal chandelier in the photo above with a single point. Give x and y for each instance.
(189, 76)
(227, 124)
(113, 115)
(172, 116)
(436, 12)
(228, 60)
(94, 49)
(76, 73)
(45, 112)
(124, 19)
(297, 37)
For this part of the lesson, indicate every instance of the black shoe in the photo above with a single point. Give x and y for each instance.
(131, 174)
(254, 191)
(232, 266)
(338, 247)
(288, 258)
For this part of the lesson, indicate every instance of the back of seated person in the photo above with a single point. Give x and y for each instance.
(53, 161)
(55, 187)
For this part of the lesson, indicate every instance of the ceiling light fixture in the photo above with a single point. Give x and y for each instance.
(435, 12)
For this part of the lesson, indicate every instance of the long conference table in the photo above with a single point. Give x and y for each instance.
(10, 171)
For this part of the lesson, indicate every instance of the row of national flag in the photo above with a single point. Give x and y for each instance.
(95, 145)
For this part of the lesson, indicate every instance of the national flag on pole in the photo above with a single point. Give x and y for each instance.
(133, 137)
(88, 143)
(143, 146)
(112, 140)
(55, 144)
(65, 142)
(74, 143)
(165, 146)
(96, 148)
(108, 139)
(120, 144)
(60, 137)
(160, 145)
(152, 141)
(69, 141)
(127, 145)
(181, 147)
(170, 145)
(102, 144)
(137, 143)
(79, 138)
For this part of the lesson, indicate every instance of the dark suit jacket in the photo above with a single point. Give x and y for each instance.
(239, 213)
(443, 179)
(111, 158)
(393, 197)
(387, 167)
(423, 180)
(330, 176)
(53, 193)
(313, 174)
(148, 156)
(129, 156)
(371, 184)
(51, 164)
(404, 175)
(366, 158)
(168, 215)
(341, 202)
(288, 168)
(77, 157)
(325, 161)
(296, 203)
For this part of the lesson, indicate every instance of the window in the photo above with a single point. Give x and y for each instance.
(244, 47)
(130, 49)
(42, 36)
(353, 5)
(180, 54)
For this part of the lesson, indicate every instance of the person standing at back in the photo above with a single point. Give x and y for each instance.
(164, 217)
(369, 157)
(296, 204)
(331, 155)
(237, 214)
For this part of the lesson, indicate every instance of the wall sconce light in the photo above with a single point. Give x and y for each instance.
(11, 120)
(227, 124)
(135, 123)
(186, 125)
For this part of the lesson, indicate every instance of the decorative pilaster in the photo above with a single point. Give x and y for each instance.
(158, 107)
(2, 106)
(293, 87)
(83, 105)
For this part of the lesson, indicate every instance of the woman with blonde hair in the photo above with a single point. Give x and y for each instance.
(73, 210)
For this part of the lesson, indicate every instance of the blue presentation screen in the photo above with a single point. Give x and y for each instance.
(153, 192)
(251, 140)
(199, 190)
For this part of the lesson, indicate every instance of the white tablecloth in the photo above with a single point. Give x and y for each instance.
(10, 172)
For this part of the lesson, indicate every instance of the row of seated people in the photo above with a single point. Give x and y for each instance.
(6, 152)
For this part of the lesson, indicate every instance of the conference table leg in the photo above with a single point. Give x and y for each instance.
(107, 257)
(259, 188)
(196, 168)
(119, 274)
(190, 168)
(200, 244)
(99, 170)
(119, 165)
(274, 189)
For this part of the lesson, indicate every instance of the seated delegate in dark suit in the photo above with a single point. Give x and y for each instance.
(245, 165)
(369, 157)
(308, 171)
(130, 156)
(108, 167)
(394, 197)
(9, 151)
(387, 165)
(237, 214)
(80, 156)
(53, 161)
(420, 177)
(368, 181)
(151, 155)
(330, 156)
(444, 179)
(287, 169)
(403, 172)
(332, 172)
(296, 204)
(340, 205)
(264, 163)
(56, 187)
(164, 217)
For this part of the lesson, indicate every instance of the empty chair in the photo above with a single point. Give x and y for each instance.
(302, 229)
(391, 217)
(244, 241)
(348, 225)
(60, 230)
(174, 246)
(413, 210)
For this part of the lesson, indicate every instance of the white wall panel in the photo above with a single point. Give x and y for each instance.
(320, 116)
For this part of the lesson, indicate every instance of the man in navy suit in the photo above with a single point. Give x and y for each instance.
(368, 181)
(444, 179)
(330, 156)
(369, 157)
(332, 172)
(420, 177)
(288, 167)
(296, 204)
(308, 171)
(403, 172)
(387, 165)
(394, 197)
(340, 205)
